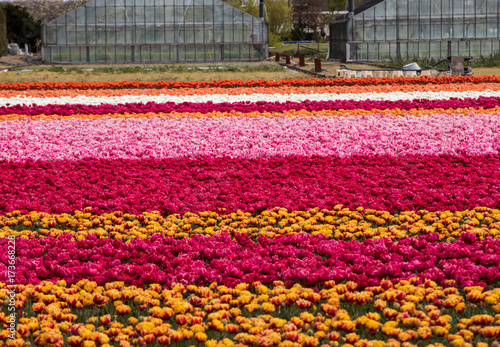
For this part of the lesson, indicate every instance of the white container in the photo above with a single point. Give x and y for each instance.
(411, 67)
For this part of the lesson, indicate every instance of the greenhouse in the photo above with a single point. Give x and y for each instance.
(390, 29)
(103, 31)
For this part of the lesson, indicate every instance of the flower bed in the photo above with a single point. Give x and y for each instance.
(289, 213)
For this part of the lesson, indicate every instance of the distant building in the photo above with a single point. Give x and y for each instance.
(384, 29)
(104, 31)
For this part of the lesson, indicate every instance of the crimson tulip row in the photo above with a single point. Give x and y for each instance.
(301, 258)
(246, 107)
(385, 183)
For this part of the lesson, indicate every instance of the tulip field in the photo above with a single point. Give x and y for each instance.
(313, 212)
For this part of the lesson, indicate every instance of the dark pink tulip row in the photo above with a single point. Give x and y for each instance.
(298, 258)
(209, 184)
(245, 107)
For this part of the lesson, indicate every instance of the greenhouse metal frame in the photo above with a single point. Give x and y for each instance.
(392, 29)
(143, 31)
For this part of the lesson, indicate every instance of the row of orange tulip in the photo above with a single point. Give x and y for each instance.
(86, 314)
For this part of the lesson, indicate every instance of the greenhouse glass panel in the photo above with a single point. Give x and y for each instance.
(358, 32)
(155, 53)
(130, 16)
(403, 49)
(495, 46)
(170, 36)
(380, 11)
(369, 15)
(228, 35)
(150, 15)
(81, 36)
(481, 7)
(486, 47)
(65, 54)
(159, 14)
(402, 8)
(169, 14)
(71, 37)
(480, 30)
(235, 52)
(384, 50)
(390, 9)
(369, 31)
(425, 8)
(101, 37)
(100, 14)
(110, 15)
(159, 36)
(200, 53)
(137, 30)
(469, 30)
(50, 36)
(458, 8)
(189, 34)
(218, 13)
(492, 29)
(458, 30)
(61, 37)
(380, 32)
(413, 51)
(139, 36)
(61, 21)
(402, 33)
(445, 30)
(120, 16)
(218, 50)
(435, 10)
(475, 48)
(475, 6)
(149, 36)
(413, 10)
(447, 8)
(413, 31)
(464, 48)
(390, 32)
(129, 36)
(208, 14)
(454, 48)
(119, 53)
(362, 51)
(80, 15)
(423, 49)
(491, 6)
(373, 51)
(425, 31)
(189, 14)
(199, 35)
(435, 49)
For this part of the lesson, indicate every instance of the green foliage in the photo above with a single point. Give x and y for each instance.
(21, 27)
(277, 14)
(491, 61)
(251, 7)
(274, 39)
(336, 5)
